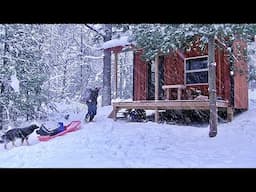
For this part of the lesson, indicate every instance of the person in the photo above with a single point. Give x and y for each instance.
(43, 131)
(91, 102)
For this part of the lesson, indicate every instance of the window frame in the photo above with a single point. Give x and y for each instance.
(195, 70)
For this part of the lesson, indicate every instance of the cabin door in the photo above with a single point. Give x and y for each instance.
(151, 79)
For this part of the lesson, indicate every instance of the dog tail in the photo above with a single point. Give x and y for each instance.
(1, 141)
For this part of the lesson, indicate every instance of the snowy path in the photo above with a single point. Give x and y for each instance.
(108, 144)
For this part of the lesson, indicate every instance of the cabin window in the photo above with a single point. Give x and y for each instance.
(196, 70)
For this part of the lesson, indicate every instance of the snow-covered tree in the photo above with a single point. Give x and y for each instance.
(104, 33)
(45, 63)
(26, 51)
(22, 70)
(72, 61)
(252, 60)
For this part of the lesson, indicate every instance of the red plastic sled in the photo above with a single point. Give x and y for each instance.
(73, 126)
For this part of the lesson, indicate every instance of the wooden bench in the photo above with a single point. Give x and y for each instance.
(169, 87)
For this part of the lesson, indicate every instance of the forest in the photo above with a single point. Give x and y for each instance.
(42, 64)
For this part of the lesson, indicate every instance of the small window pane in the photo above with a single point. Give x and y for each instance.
(197, 77)
(199, 63)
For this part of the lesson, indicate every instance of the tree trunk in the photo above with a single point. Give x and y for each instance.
(64, 81)
(81, 59)
(115, 75)
(121, 76)
(28, 113)
(1, 117)
(212, 86)
(156, 85)
(2, 87)
(106, 99)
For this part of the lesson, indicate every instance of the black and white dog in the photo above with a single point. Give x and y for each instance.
(18, 133)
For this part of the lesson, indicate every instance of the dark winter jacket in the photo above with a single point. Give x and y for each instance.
(90, 96)
(86, 94)
(94, 96)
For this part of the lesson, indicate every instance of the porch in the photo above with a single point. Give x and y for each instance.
(171, 105)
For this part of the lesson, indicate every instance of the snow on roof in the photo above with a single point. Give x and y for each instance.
(122, 41)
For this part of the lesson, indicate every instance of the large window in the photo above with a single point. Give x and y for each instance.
(196, 70)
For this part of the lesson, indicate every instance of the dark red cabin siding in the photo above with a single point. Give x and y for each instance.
(173, 69)
(140, 77)
(174, 74)
(225, 88)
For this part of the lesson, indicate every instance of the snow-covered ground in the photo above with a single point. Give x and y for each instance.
(108, 144)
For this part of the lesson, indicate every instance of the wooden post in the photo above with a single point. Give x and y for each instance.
(168, 94)
(156, 86)
(230, 114)
(179, 93)
(212, 86)
(115, 113)
(115, 74)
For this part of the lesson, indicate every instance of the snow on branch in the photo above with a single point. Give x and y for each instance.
(94, 30)
(91, 47)
(15, 83)
(222, 43)
(17, 59)
(122, 41)
(86, 45)
(93, 57)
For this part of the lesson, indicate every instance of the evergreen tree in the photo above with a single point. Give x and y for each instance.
(72, 61)
(155, 39)
(21, 57)
(30, 69)
(252, 60)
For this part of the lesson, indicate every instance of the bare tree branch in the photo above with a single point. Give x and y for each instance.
(94, 30)
(86, 45)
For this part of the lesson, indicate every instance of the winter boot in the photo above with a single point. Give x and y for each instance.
(212, 133)
(87, 118)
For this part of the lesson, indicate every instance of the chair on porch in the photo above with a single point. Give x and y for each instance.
(169, 88)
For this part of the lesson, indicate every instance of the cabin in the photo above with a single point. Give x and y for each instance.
(179, 80)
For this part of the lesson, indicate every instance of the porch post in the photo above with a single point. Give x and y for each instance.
(115, 74)
(156, 86)
(212, 85)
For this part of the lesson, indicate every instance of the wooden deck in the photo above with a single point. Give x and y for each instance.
(167, 105)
